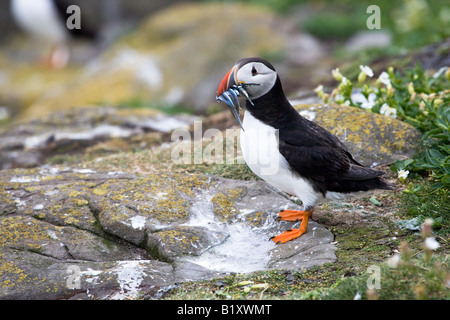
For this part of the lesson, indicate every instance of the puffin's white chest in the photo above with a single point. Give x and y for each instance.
(259, 144)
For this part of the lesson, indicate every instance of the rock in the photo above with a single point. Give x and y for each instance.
(310, 48)
(372, 139)
(27, 275)
(83, 234)
(31, 143)
(316, 249)
(431, 57)
(184, 240)
(369, 39)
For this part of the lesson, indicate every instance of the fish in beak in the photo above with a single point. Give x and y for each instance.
(229, 91)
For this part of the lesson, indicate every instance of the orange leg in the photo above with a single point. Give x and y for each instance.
(292, 215)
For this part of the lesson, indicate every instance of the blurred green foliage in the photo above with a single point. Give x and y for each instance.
(140, 103)
(413, 23)
(332, 26)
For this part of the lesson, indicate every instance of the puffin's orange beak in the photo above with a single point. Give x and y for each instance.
(229, 91)
(228, 81)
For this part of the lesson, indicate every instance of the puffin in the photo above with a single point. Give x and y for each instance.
(288, 151)
(46, 20)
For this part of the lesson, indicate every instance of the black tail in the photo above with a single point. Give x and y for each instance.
(358, 178)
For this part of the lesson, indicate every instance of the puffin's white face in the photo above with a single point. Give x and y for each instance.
(251, 78)
(256, 78)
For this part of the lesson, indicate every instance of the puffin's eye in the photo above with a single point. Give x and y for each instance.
(254, 72)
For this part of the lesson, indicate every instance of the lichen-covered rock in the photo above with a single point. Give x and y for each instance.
(27, 275)
(80, 233)
(95, 131)
(373, 139)
(171, 243)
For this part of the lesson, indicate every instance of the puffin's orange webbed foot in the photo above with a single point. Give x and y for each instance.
(292, 215)
(286, 236)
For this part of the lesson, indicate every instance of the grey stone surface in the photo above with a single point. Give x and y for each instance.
(82, 234)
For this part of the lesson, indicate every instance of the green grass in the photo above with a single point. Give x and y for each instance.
(421, 201)
(416, 280)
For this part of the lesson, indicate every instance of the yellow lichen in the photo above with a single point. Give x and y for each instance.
(223, 203)
(18, 232)
(100, 191)
(74, 193)
(164, 197)
(11, 273)
(181, 236)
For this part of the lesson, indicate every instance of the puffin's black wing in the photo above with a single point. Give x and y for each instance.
(314, 153)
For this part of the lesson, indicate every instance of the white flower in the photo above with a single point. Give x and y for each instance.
(394, 261)
(339, 98)
(402, 174)
(319, 91)
(345, 81)
(391, 112)
(431, 243)
(383, 108)
(358, 97)
(366, 70)
(384, 79)
(336, 74)
(388, 111)
(411, 88)
(428, 221)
